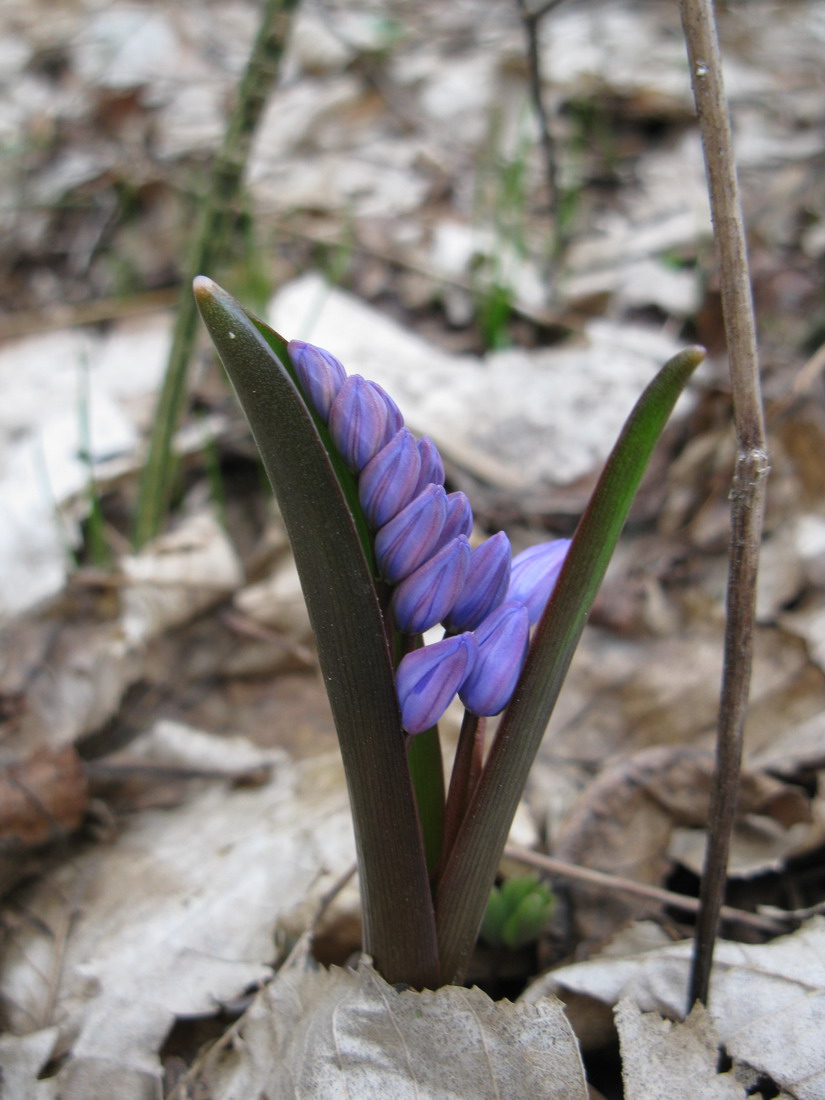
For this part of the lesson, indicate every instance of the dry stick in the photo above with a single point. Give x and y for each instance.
(530, 21)
(563, 869)
(749, 479)
(260, 74)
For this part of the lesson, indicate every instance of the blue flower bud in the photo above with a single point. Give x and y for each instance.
(427, 679)
(359, 421)
(411, 537)
(534, 575)
(320, 374)
(395, 419)
(459, 519)
(432, 468)
(502, 640)
(388, 481)
(486, 584)
(426, 596)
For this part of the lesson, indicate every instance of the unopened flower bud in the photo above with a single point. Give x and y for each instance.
(459, 519)
(425, 597)
(432, 468)
(388, 481)
(534, 574)
(320, 374)
(428, 678)
(410, 537)
(502, 640)
(359, 421)
(486, 584)
(395, 418)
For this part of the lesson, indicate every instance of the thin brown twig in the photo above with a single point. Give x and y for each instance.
(531, 19)
(639, 889)
(749, 480)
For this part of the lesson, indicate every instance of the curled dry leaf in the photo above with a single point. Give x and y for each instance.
(623, 823)
(319, 1034)
(767, 1001)
(64, 670)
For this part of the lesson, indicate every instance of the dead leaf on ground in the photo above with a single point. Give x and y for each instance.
(329, 1034)
(677, 1060)
(624, 820)
(175, 916)
(767, 1001)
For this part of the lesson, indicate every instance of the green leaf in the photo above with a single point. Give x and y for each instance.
(351, 634)
(472, 863)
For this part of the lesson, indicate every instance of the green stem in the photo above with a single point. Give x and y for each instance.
(427, 774)
(465, 775)
(207, 243)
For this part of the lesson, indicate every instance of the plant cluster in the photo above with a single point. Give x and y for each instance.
(384, 555)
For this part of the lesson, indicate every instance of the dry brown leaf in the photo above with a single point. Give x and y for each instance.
(677, 1060)
(624, 820)
(767, 1001)
(42, 799)
(173, 917)
(318, 1034)
(64, 670)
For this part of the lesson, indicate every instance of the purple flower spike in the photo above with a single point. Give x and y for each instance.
(534, 575)
(459, 519)
(502, 639)
(432, 468)
(427, 679)
(358, 421)
(426, 596)
(320, 374)
(388, 481)
(410, 537)
(486, 584)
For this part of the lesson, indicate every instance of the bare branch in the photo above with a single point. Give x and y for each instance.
(530, 21)
(777, 922)
(749, 481)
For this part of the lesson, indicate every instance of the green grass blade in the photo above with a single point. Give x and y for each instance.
(353, 647)
(471, 866)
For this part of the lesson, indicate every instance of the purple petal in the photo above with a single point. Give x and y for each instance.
(428, 678)
(502, 640)
(358, 421)
(486, 584)
(388, 481)
(411, 537)
(534, 575)
(459, 519)
(395, 420)
(432, 468)
(426, 596)
(320, 374)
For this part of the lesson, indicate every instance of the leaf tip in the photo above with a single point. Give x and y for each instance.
(203, 287)
(692, 356)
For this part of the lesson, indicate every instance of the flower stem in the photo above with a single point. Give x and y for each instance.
(466, 772)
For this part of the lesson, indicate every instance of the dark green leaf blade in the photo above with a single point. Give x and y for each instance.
(353, 647)
(471, 866)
